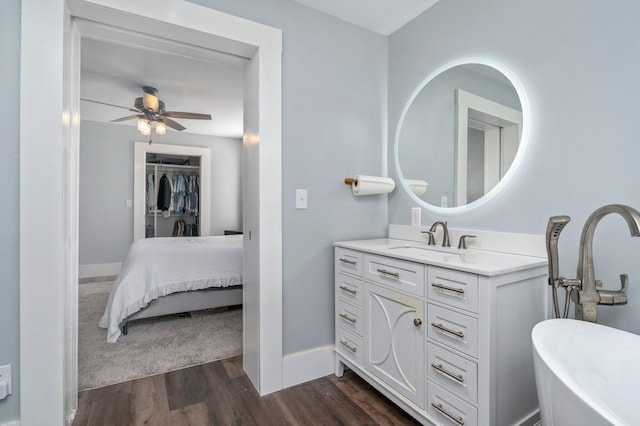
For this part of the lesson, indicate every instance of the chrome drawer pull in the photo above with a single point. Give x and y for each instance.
(396, 275)
(348, 290)
(441, 369)
(346, 345)
(441, 327)
(348, 318)
(350, 262)
(458, 419)
(444, 287)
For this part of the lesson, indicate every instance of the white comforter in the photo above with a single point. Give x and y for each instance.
(156, 267)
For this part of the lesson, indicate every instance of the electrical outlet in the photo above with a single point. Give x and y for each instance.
(5, 381)
(416, 213)
(301, 198)
(443, 201)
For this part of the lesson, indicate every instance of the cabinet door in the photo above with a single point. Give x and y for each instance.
(395, 341)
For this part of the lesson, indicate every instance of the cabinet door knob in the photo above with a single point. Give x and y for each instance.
(417, 322)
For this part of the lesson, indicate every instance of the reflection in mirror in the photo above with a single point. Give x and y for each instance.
(459, 135)
(487, 139)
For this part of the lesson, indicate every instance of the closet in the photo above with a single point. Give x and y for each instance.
(171, 194)
(172, 190)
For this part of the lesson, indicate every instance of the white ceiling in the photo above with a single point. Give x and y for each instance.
(188, 79)
(380, 16)
(117, 63)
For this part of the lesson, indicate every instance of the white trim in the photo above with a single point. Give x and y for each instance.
(505, 117)
(99, 270)
(304, 366)
(42, 236)
(71, 191)
(11, 423)
(42, 149)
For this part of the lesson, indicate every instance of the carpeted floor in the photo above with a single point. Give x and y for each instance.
(153, 346)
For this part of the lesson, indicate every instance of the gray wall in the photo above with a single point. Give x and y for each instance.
(579, 62)
(334, 120)
(10, 212)
(106, 181)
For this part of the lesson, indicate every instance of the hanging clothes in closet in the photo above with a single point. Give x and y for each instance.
(191, 196)
(179, 191)
(164, 193)
(183, 229)
(174, 195)
(151, 193)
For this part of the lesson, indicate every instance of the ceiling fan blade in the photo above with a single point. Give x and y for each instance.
(174, 125)
(104, 103)
(129, 117)
(189, 115)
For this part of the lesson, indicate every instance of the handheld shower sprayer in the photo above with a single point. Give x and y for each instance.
(582, 290)
(554, 228)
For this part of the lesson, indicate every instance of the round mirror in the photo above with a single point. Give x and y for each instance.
(461, 136)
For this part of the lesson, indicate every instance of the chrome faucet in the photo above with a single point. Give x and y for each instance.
(583, 289)
(587, 298)
(445, 230)
(432, 241)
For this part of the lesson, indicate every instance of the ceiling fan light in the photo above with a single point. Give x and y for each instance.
(144, 126)
(161, 128)
(150, 101)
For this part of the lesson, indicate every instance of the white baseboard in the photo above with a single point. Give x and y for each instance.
(308, 365)
(11, 423)
(98, 270)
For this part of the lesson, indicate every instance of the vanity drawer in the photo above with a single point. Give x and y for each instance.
(452, 372)
(349, 261)
(397, 274)
(350, 346)
(454, 288)
(350, 289)
(349, 317)
(448, 409)
(453, 329)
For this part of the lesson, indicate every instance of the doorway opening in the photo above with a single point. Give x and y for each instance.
(46, 379)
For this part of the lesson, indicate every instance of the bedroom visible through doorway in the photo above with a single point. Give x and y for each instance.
(208, 203)
(46, 365)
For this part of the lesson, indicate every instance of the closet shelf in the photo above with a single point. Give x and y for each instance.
(153, 213)
(173, 167)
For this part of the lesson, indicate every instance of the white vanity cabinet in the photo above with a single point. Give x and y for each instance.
(394, 337)
(349, 305)
(449, 342)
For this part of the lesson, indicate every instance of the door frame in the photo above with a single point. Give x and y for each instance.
(495, 164)
(47, 196)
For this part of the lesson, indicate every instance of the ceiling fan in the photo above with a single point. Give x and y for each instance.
(150, 109)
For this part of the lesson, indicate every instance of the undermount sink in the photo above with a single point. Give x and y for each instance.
(428, 252)
(417, 249)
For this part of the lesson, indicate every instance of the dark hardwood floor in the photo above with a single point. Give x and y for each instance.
(219, 393)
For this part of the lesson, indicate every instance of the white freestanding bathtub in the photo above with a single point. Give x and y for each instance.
(586, 373)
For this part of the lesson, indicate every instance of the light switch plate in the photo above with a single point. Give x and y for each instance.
(301, 198)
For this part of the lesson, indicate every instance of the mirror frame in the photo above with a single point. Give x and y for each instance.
(515, 165)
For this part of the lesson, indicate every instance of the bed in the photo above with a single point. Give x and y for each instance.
(162, 276)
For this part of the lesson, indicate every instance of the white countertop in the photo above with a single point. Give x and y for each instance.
(483, 262)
